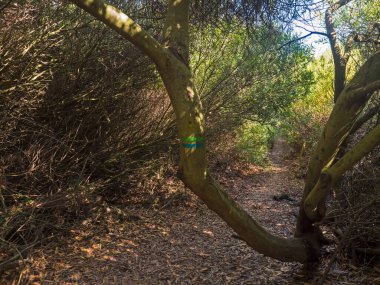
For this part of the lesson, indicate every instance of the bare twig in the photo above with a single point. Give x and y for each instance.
(301, 38)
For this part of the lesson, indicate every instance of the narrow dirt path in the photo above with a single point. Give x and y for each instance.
(181, 244)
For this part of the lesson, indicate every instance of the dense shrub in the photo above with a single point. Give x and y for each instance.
(81, 113)
(254, 141)
(306, 117)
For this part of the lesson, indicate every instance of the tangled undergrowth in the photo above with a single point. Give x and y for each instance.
(355, 214)
(70, 129)
(83, 118)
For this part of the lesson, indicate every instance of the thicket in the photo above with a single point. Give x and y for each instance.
(358, 197)
(247, 83)
(307, 116)
(82, 114)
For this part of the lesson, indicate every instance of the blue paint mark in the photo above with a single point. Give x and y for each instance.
(192, 145)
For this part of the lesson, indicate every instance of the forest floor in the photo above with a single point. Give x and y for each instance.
(183, 243)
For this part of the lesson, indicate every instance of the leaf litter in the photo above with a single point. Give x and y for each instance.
(183, 242)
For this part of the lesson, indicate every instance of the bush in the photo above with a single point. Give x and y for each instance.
(307, 116)
(254, 140)
(82, 113)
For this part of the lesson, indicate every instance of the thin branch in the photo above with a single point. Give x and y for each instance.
(301, 38)
(329, 176)
(365, 118)
(343, 240)
(310, 31)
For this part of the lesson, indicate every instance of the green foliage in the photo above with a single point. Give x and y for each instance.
(254, 140)
(358, 16)
(279, 76)
(247, 83)
(244, 78)
(360, 20)
(307, 116)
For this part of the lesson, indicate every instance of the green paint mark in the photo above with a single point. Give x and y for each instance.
(193, 139)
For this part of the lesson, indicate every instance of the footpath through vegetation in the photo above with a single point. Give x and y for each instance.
(182, 242)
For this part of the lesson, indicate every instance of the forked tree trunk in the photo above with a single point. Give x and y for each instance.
(346, 111)
(171, 59)
(322, 174)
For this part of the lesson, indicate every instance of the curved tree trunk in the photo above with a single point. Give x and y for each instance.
(171, 60)
(195, 175)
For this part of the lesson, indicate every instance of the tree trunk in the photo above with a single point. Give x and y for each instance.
(331, 175)
(346, 111)
(340, 58)
(172, 64)
(171, 60)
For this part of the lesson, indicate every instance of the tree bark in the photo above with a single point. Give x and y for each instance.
(314, 203)
(340, 57)
(347, 109)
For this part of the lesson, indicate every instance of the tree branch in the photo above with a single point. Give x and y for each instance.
(176, 29)
(370, 88)
(317, 196)
(338, 56)
(365, 118)
(338, 5)
(301, 38)
(125, 26)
